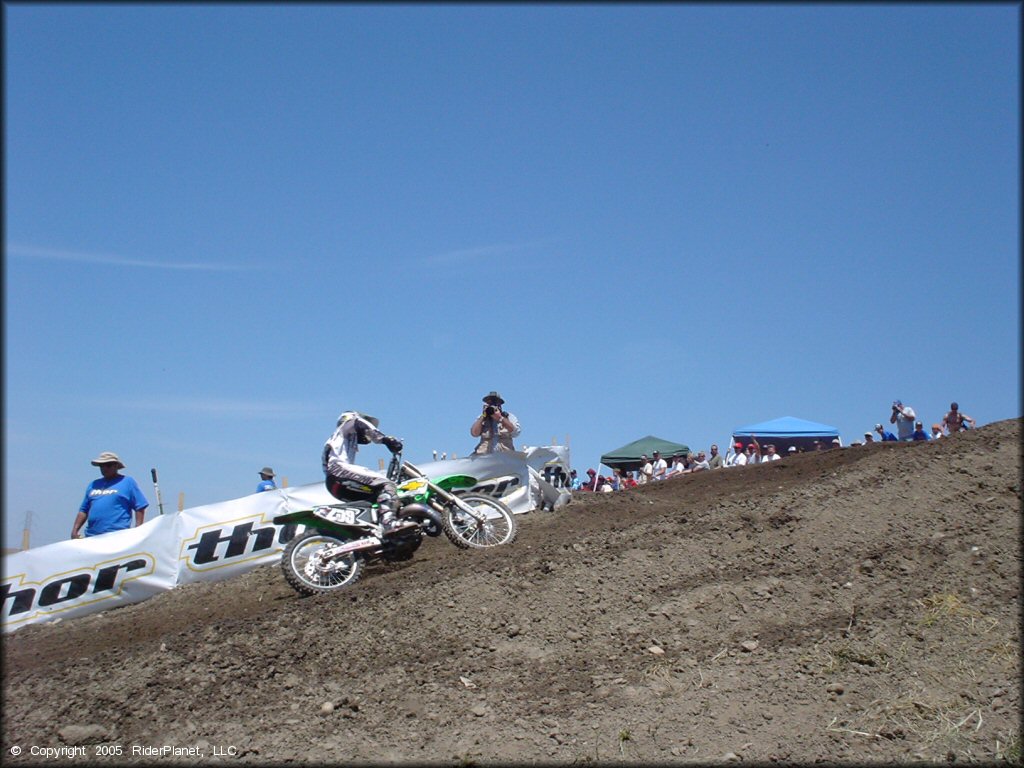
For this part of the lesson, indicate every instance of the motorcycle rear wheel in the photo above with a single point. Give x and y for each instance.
(464, 532)
(304, 572)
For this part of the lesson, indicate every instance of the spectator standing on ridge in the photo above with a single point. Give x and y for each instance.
(591, 484)
(495, 427)
(737, 457)
(658, 467)
(266, 482)
(678, 466)
(903, 417)
(109, 500)
(646, 470)
(919, 433)
(954, 420)
(715, 459)
(936, 431)
(868, 438)
(615, 478)
(699, 463)
(771, 455)
(574, 481)
(884, 434)
(753, 451)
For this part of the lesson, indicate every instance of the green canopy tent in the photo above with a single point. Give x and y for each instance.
(628, 456)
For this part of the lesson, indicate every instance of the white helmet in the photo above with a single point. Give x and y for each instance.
(346, 415)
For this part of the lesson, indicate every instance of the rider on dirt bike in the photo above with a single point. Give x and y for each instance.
(355, 429)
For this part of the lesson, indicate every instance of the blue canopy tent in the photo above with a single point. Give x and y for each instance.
(785, 432)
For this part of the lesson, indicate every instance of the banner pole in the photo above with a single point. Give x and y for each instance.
(159, 500)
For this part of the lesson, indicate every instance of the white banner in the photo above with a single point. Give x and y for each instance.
(73, 578)
(549, 476)
(214, 542)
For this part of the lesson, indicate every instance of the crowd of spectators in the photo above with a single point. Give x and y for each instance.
(910, 428)
(656, 468)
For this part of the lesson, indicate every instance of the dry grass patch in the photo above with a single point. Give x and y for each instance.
(949, 607)
(665, 679)
(942, 726)
(1010, 750)
(839, 656)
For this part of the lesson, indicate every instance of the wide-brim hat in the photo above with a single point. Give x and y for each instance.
(105, 458)
(267, 471)
(492, 395)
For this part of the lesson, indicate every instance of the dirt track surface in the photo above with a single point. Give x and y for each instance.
(858, 605)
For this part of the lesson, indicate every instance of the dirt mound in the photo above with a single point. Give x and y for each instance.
(856, 605)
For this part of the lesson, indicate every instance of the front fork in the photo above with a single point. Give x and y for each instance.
(449, 497)
(454, 500)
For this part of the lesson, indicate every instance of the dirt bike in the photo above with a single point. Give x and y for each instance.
(341, 538)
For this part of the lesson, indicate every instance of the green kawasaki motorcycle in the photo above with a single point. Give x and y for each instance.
(340, 539)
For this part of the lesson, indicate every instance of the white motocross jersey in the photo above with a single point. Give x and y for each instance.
(343, 445)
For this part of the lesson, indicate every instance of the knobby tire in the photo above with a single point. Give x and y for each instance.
(462, 530)
(345, 571)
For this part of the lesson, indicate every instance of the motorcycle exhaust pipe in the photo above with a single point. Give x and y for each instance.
(421, 511)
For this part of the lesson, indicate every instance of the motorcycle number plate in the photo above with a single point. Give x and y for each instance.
(339, 516)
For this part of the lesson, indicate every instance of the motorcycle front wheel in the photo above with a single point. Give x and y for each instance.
(497, 528)
(307, 572)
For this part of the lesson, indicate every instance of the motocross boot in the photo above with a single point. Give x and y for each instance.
(390, 522)
(386, 513)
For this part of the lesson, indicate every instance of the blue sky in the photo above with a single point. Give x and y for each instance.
(226, 224)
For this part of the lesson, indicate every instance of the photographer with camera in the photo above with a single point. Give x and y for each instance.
(903, 417)
(494, 426)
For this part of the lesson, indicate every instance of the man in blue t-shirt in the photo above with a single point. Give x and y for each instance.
(886, 435)
(110, 500)
(266, 480)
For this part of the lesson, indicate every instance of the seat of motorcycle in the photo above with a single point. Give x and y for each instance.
(357, 504)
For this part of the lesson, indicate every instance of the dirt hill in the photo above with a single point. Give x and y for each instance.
(856, 605)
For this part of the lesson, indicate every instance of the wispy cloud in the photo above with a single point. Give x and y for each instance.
(52, 254)
(208, 406)
(484, 253)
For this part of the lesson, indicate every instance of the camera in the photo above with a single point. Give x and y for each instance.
(489, 411)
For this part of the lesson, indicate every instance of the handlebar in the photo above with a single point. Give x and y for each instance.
(395, 467)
